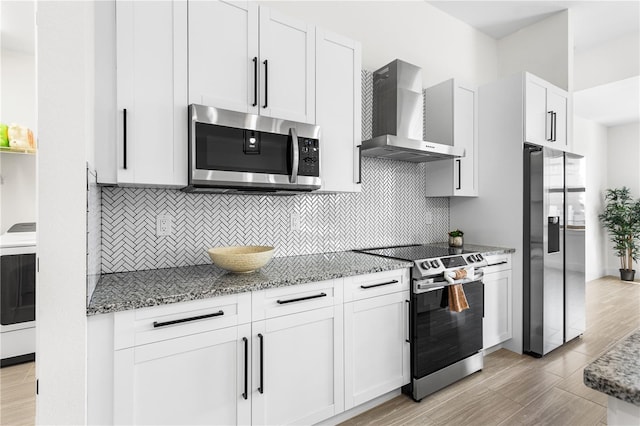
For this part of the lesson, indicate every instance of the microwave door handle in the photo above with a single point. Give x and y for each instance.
(295, 154)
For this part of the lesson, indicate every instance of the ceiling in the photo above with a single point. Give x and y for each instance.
(593, 22)
(611, 104)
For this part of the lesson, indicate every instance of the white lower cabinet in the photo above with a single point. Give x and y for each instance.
(497, 325)
(195, 379)
(297, 367)
(289, 355)
(376, 349)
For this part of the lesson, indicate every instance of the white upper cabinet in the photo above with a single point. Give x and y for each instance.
(451, 119)
(251, 59)
(151, 98)
(546, 112)
(287, 63)
(223, 55)
(338, 110)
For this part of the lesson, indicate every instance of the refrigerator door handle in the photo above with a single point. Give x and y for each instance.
(553, 234)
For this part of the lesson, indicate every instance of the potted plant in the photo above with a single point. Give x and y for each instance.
(455, 238)
(621, 218)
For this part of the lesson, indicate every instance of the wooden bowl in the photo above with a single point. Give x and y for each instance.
(241, 259)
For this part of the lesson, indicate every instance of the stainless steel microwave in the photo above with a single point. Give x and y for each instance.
(231, 151)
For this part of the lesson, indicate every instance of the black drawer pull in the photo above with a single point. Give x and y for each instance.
(499, 263)
(282, 302)
(157, 324)
(378, 285)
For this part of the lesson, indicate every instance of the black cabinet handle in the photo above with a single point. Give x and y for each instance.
(266, 83)
(550, 138)
(124, 139)
(554, 129)
(261, 388)
(408, 321)
(255, 81)
(245, 394)
(359, 164)
(379, 285)
(157, 324)
(282, 302)
(459, 174)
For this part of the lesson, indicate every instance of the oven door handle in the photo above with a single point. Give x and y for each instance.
(434, 289)
(295, 154)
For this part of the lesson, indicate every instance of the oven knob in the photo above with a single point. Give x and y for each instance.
(479, 257)
(426, 266)
(435, 264)
(471, 258)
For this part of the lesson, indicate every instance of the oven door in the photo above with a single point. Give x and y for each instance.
(442, 337)
(17, 289)
(228, 149)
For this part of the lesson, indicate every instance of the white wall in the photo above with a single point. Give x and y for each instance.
(623, 157)
(590, 140)
(607, 62)
(541, 49)
(17, 172)
(65, 97)
(415, 32)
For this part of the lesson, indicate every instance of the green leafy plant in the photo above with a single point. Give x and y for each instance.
(621, 217)
(456, 233)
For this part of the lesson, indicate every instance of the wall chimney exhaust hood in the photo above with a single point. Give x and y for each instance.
(397, 118)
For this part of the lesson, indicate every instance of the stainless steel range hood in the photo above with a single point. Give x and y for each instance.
(397, 118)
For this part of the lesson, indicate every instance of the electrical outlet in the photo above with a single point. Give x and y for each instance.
(163, 225)
(295, 221)
(428, 218)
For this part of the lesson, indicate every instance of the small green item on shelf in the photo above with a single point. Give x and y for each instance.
(4, 135)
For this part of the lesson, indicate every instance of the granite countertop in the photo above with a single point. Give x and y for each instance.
(131, 290)
(486, 250)
(617, 372)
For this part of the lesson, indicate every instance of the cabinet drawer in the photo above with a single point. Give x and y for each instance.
(376, 284)
(497, 263)
(147, 325)
(289, 300)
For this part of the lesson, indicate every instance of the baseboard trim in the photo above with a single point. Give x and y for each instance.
(342, 417)
(20, 359)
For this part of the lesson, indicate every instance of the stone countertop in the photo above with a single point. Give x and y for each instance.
(486, 250)
(617, 372)
(131, 290)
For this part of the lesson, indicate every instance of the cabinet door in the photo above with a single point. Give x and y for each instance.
(537, 121)
(298, 375)
(557, 104)
(497, 324)
(376, 347)
(451, 119)
(223, 54)
(338, 110)
(287, 67)
(151, 93)
(195, 379)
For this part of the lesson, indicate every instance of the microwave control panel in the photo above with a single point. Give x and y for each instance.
(309, 157)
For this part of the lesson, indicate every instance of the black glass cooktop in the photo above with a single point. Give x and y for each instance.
(414, 252)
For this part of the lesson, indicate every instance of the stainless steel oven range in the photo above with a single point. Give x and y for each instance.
(445, 345)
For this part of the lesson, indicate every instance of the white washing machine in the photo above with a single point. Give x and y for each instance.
(18, 294)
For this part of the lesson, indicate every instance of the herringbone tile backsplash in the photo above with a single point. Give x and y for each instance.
(390, 210)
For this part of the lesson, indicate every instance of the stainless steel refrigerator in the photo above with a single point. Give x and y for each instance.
(554, 248)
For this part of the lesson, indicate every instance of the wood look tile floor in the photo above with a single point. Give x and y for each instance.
(512, 389)
(517, 389)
